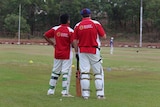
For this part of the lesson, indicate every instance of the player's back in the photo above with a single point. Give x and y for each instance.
(87, 33)
(63, 39)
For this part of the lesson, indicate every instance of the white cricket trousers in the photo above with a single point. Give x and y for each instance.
(61, 67)
(86, 62)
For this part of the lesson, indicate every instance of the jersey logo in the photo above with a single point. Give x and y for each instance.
(85, 27)
(60, 34)
(81, 27)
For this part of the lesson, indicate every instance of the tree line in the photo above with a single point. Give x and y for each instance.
(120, 18)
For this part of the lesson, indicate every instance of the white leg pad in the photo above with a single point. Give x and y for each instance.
(65, 82)
(53, 80)
(68, 80)
(85, 85)
(99, 84)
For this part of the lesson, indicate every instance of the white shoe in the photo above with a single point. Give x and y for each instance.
(50, 92)
(63, 92)
(67, 95)
(85, 98)
(101, 97)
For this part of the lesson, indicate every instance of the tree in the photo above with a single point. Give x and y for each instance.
(11, 24)
(115, 15)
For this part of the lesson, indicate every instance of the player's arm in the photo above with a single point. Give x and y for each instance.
(104, 36)
(75, 45)
(101, 31)
(75, 41)
(48, 40)
(48, 36)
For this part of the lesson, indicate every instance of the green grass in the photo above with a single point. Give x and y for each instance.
(134, 79)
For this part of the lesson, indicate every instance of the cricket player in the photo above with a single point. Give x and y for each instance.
(61, 37)
(87, 34)
(111, 45)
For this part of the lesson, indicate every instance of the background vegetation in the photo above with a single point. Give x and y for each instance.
(120, 18)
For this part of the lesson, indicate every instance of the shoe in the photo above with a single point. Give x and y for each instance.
(101, 97)
(85, 97)
(64, 92)
(50, 92)
(67, 95)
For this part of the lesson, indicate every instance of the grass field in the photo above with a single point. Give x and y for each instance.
(132, 79)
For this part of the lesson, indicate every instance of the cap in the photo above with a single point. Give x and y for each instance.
(85, 11)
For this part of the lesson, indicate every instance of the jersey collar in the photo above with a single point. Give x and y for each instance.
(64, 25)
(86, 18)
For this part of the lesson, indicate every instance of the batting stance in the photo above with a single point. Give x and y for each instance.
(87, 34)
(61, 37)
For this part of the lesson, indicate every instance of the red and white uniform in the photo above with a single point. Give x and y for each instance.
(88, 33)
(63, 36)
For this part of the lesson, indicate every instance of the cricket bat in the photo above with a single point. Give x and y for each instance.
(78, 84)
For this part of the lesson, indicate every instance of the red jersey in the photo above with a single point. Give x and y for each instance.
(63, 36)
(87, 32)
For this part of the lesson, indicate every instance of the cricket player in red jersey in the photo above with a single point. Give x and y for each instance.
(87, 34)
(61, 37)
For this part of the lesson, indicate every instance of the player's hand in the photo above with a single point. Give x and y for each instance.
(53, 44)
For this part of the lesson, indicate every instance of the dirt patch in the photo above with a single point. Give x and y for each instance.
(104, 43)
(24, 41)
